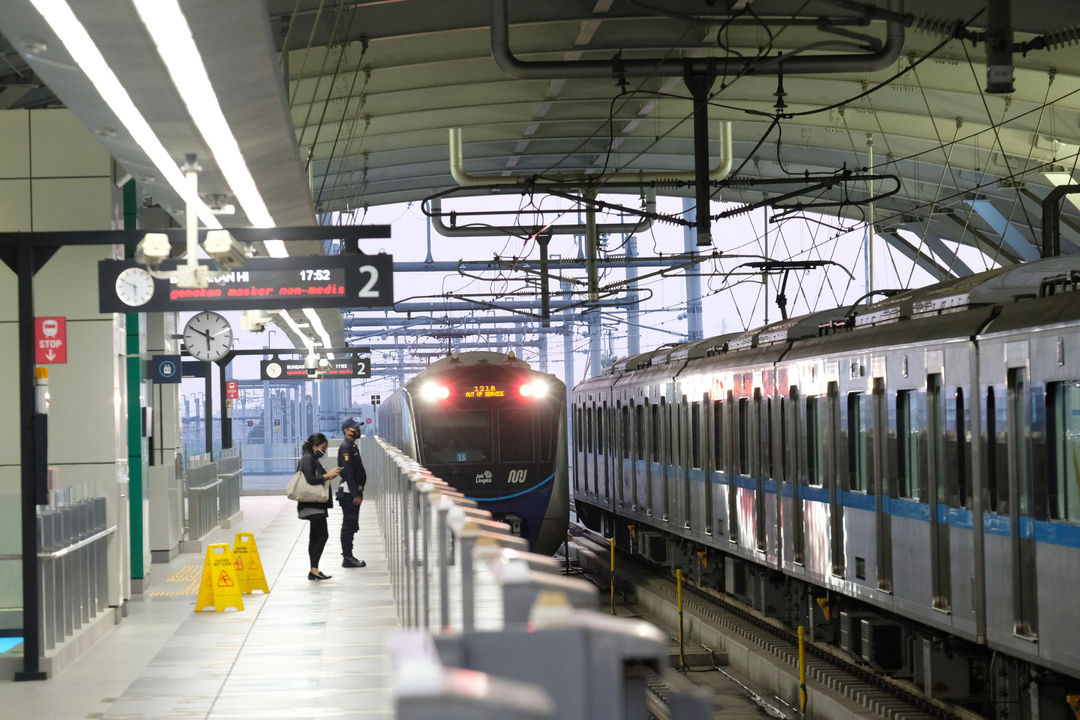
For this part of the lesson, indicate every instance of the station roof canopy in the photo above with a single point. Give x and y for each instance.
(360, 100)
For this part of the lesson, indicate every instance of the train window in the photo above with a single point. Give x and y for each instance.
(815, 473)
(655, 423)
(624, 421)
(639, 432)
(675, 434)
(768, 449)
(601, 416)
(589, 429)
(458, 436)
(743, 443)
(718, 435)
(516, 430)
(956, 451)
(860, 425)
(1063, 433)
(911, 443)
(996, 477)
(1019, 425)
(695, 435)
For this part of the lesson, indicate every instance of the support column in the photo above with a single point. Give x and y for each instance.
(633, 310)
(691, 241)
(699, 86)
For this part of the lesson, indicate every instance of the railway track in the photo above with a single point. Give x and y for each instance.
(837, 688)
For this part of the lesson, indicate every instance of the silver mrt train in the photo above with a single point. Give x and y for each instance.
(494, 429)
(904, 479)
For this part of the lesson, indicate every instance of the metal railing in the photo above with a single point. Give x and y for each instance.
(73, 568)
(201, 488)
(473, 597)
(230, 470)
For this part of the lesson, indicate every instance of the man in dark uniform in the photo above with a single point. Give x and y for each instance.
(351, 492)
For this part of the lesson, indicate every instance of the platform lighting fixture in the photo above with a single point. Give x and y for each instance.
(77, 41)
(1065, 178)
(172, 37)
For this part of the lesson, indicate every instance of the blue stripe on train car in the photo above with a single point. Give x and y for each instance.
(1057, 533)
(857, 500)
(768, 485)
(913, 509)
(499, 498)
(815, 493)
(746, 483)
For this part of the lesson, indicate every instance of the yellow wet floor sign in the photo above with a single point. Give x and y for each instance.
(219, 588)
(248, 565)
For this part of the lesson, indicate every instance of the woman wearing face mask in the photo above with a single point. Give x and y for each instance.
(315, 512)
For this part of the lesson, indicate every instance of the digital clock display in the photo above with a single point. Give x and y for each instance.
(485, 391)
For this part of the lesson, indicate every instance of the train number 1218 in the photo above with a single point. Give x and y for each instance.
(517, 476)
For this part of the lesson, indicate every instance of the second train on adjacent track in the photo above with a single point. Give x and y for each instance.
(904, 480)
(494, 429)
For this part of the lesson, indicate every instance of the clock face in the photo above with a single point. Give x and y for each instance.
(273, 370)
(134, 286)
(208, 336)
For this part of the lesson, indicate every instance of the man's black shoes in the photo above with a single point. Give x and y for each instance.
(348, 561)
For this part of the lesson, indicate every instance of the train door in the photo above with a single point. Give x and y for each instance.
(761, 453)
(655, 469)
(639, 453)
(741, 435)
(618, 449)
(937, 496)
(693, 460)
(782, 478)
(716, 436)
(665, 455)
(797, 475)
(835, 433)
(885, 429)
(1024, 576)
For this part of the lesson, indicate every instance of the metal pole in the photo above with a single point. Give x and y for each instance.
(208, 407)
(612, 552)
(869, 248)
(694, 329)
(802, 671)
(699, 86)
(31, 598)
(633, 310)
(678, 597)
(226, 409)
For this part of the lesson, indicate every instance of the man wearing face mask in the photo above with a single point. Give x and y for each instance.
(351, 492)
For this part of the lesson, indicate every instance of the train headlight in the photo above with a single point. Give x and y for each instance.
(432, 392)
(535, 389)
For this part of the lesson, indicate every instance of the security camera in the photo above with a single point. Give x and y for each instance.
(224, 248)
(152, 249)
(311, 364)
(255, 320)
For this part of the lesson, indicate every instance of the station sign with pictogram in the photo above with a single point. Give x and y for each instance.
(50, 340)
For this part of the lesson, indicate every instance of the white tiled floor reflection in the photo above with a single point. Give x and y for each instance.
(306, 650)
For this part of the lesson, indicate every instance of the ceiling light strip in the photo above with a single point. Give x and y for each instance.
(172, 36)
(284, 314)
(60, 17)
(317, 325)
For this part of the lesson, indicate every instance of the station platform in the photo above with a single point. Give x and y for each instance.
(306, 650)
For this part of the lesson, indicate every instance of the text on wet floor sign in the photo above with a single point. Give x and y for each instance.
(248, 566)
(219, 588)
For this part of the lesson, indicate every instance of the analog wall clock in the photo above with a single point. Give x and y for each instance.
(134, 286)
(208, 336)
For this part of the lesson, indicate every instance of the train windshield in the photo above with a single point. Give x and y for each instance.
(457, 436)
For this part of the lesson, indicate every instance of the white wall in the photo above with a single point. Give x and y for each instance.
(54, 175)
